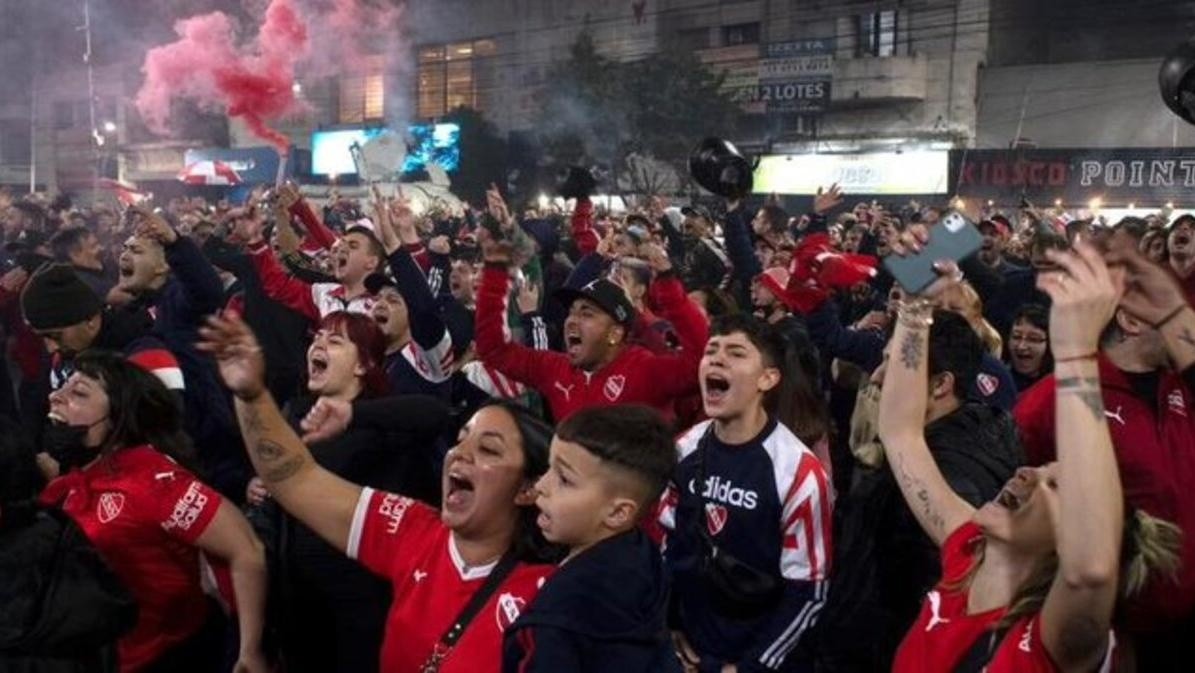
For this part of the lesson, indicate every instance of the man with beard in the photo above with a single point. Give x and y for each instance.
(599, 366)
(995, 232)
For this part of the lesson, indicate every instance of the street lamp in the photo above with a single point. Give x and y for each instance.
(109, 126)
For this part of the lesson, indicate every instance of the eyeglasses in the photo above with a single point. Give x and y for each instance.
(1027, 339)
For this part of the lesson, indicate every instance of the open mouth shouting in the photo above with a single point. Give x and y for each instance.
(572, 342)
(458, 491)
(715, 388)
(1009, 500)
(317, 366)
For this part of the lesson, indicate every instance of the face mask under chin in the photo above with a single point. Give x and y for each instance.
(66, 444)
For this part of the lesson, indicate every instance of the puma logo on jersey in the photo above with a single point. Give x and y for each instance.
(725, 492)
(935, 611)
(1115, 415)
(419, 575)
(567, 390)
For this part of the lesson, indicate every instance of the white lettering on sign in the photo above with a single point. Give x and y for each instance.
(1117, 173)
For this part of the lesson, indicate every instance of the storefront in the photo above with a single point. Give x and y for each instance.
(1111, 178)
(892, 178)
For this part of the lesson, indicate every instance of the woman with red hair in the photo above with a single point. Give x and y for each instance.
(331, 611)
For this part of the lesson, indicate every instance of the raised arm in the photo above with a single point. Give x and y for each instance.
(737, 231)
(201, 285)
(676, 374)
(903, 405)
(494, 347)
(278, 285)
(1084, 497)
(319, 499)
(317, 231)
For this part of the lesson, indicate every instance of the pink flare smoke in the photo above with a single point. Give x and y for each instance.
(355, 23)
(205, 65)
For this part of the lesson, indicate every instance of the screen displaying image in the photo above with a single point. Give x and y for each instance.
(438, 144)
(426, 143)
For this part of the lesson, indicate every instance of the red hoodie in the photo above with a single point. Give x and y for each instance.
(1155, 451)
(636, 376)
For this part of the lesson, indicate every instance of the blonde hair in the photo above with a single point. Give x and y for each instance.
(973, 312)
(1149, 549)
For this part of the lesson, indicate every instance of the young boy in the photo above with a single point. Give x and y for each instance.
(748, 487)
(605, 609)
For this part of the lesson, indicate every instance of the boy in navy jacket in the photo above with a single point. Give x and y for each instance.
(606, 608)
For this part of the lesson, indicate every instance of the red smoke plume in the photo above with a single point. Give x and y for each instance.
(206, 65)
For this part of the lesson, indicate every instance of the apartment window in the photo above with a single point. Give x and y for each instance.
(452, 75)
(875, 34)
(693, 39)
(741, 33)
(363, 94)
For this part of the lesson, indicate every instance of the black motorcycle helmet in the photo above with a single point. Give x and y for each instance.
(719, 167)
(1177, 80)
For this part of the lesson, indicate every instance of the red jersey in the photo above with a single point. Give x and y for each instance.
(405, 542)
(636, 376)
(1153, 440)
(944, 633)
(143, 513)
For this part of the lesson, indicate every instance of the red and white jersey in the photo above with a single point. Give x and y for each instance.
(312, 300)
(331, 297)
(404, 541)
(944, 633)
(144, 513)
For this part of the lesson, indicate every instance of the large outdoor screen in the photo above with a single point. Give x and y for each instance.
(426, 143)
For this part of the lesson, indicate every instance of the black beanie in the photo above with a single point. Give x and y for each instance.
(56, 297)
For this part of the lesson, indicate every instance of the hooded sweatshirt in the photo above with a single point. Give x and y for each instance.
(61, 608)
(603, 611)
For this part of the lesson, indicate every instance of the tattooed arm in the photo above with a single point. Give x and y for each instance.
(903, 404)
(316, 497)
(1179, 334)
(1083, 491)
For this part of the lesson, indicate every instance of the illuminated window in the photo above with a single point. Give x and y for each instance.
(451, 76)
(363, 94)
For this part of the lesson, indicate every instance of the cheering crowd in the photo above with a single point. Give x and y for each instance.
(349, 437)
